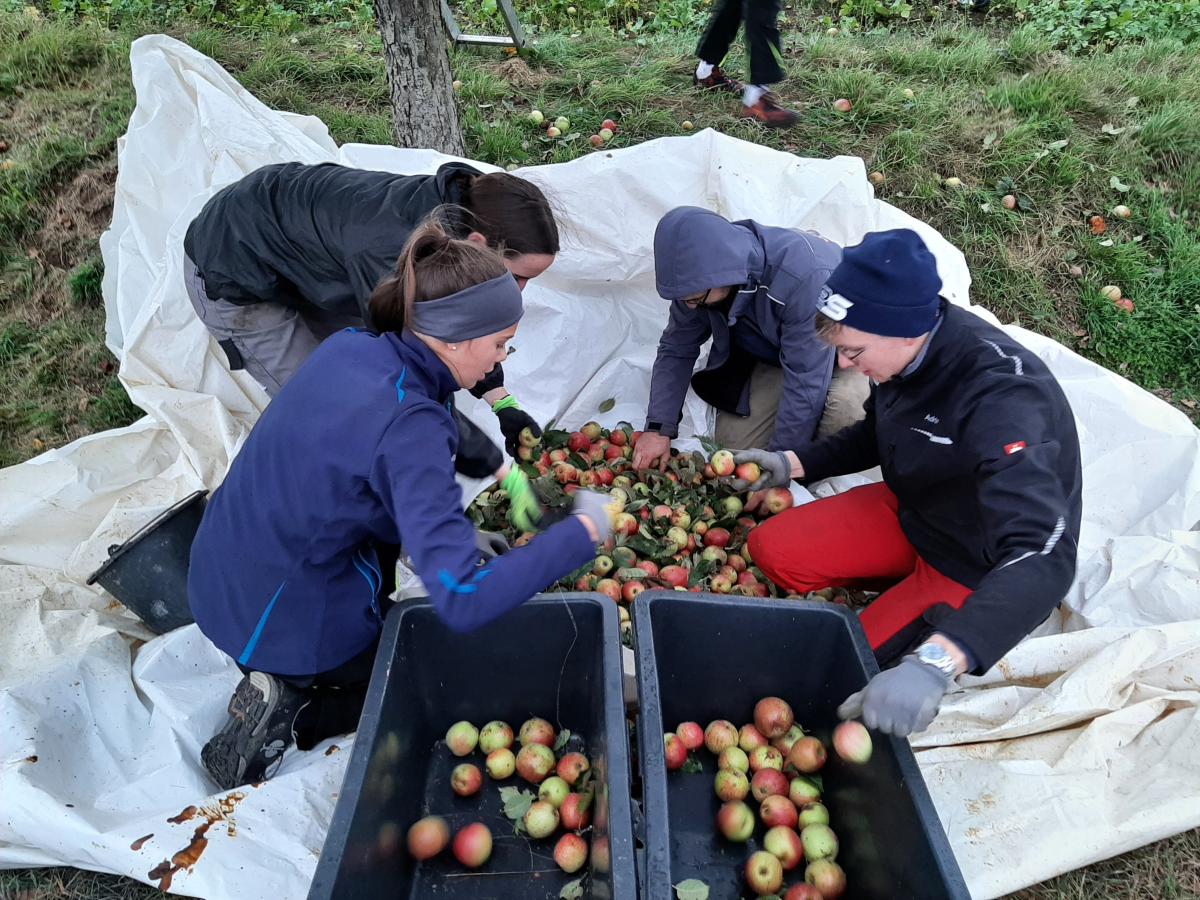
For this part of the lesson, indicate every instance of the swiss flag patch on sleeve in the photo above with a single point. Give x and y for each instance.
(1010, 449)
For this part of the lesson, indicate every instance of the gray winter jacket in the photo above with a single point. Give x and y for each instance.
(779, 273)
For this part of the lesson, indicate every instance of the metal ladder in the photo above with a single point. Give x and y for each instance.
(517, 39)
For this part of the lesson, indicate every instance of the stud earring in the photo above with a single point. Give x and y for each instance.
(454, 346)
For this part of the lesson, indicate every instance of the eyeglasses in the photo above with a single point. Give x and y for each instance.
(695, 302)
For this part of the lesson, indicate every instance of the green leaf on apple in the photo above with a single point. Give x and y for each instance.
(692, 766)
(572, 890)
(561, 741)
(516, 803)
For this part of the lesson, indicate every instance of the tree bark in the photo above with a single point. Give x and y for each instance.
(419, 76)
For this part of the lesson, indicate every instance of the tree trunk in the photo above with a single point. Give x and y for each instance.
(419, 77)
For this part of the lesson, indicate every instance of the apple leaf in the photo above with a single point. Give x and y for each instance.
(561, 741)
(692, 766)
(553, 438)
(1110, 128)
(691, 889)
(572, 890)
(643, 546)
(1057, 145)
(1116, 185)
(516, 802)
(628, 574)
(608, 404)
(818, 781)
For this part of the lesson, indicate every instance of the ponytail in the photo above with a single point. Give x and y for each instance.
(432, 265)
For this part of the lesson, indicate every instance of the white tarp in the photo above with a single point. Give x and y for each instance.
(1078, 745)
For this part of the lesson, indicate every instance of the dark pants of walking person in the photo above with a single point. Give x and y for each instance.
(762, 37)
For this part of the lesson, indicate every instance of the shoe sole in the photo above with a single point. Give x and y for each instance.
(765, 124)
(227, 755)
(730, 87)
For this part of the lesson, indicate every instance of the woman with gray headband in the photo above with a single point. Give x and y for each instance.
(293, 561)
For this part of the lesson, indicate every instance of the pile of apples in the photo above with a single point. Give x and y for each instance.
(564, 796)
(772, 761)
(684, 528)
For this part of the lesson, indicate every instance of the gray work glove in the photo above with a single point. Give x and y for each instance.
(599, 508)
(490, 544)
(899, 701)
(776, 469)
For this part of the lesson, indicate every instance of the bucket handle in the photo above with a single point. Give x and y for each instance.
(151, 525)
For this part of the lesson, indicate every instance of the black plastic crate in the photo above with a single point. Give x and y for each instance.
(703, 657)
(558, 652)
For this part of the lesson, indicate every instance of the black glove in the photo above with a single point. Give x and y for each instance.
(477, 456)
(492, 380)
(514, 420)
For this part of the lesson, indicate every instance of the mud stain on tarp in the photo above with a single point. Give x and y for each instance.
(140, 842)
(334, 748)
(187, 857)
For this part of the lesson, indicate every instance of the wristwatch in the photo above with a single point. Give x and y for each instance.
(937, 656)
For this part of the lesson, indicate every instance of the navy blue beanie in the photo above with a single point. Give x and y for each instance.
(887, 285)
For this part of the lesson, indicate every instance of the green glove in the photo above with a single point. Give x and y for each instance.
(524, 511)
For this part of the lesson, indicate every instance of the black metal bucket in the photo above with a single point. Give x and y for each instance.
(149, 572)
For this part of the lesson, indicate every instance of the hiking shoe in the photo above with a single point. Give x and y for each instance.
(262, 713)
(718, 81)
(767, 111)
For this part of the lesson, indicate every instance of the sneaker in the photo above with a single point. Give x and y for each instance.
(718, 81)
(767, 111)
(262, 713)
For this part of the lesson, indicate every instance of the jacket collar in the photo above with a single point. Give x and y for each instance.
(944, 345)
(426, 365)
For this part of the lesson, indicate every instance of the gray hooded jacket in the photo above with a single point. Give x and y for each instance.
(779, 273)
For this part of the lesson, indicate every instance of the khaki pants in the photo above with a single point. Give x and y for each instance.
(843, 406)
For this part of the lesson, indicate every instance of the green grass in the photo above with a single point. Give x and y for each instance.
(991, 105)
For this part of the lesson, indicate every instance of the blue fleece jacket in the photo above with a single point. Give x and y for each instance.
(779, 273)
(357, 449)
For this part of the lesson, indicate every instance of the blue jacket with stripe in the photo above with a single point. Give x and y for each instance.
(357, 449)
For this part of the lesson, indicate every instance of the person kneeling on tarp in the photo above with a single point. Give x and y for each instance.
(972, 535)
(295, 556)
(753, 289)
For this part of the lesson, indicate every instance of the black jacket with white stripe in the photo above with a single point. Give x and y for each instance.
(979, 445)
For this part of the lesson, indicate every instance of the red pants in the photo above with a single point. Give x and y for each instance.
(854, 540)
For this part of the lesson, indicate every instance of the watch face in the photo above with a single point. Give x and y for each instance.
(933, 652)
(938, 657)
